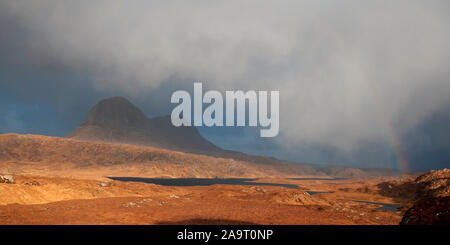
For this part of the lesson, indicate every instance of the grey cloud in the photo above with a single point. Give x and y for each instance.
(348, 71)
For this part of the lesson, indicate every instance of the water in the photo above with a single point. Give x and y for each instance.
(200, 181)
(238, 181)
(318, 192)
(317, 178)
(384, 206)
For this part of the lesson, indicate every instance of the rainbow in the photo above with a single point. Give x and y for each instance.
(395, 142)
(393, 138)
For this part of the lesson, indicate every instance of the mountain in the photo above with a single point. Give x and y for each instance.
(117, 120)
(54, 156)
(349, 172)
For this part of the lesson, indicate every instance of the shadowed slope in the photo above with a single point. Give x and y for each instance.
(117, 120)
(63, 156)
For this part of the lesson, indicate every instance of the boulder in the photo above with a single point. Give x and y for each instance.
(428, 211)
(7, 179)
(105, 184)
(32, 183)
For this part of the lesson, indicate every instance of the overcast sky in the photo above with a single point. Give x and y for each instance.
(355, 77)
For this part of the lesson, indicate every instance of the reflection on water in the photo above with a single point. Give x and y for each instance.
(317, 178)
(384, 206)
(207, 182)
(318, 192)
(200, 181)
(238, 181)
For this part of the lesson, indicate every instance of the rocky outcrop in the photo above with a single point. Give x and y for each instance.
(7, 179)
(105, 184)
(32, 183)
(435, 183)
(298, 197)
(428, 211)
(428, 196)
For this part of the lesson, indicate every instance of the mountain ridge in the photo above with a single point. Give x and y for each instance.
(116, 119)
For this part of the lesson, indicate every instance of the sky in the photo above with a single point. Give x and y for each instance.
(362, 83)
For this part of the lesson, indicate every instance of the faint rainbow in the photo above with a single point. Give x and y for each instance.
(395, 142)
(393, 137)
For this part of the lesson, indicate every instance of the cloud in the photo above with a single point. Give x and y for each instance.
(348, 71)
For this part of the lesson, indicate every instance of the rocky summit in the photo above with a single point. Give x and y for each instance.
(117, 120)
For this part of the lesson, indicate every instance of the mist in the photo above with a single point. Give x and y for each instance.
(349, 72)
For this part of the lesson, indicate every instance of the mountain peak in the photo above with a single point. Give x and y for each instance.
(116, 119)
(114, 112)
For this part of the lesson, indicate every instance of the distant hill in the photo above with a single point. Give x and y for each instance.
(349, 173)
(118, 120)
(56, 156)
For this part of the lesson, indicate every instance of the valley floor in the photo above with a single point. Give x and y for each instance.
(51, 200)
